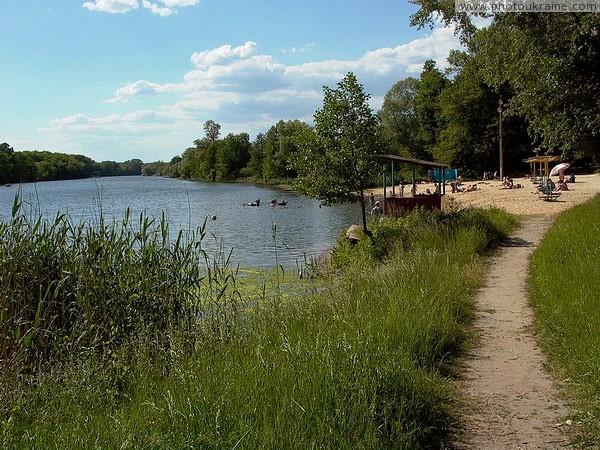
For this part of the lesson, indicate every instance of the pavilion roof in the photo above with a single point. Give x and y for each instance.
(542, 159)
(416, 162)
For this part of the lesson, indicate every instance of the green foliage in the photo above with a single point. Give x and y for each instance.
(234, 157)
(212, 130)
(469, 137)
(564, 280)
(548, 63)
(399, 122)
(272, 151)
(361, 364)
(428, 109)
(432, 11)
(400, 235)
(336, 162)
(28, 166)
(69, 288)
(552, 63)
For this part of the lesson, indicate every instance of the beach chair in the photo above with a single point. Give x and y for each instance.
(546, 191)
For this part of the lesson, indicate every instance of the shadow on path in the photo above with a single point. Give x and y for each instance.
(516, 242)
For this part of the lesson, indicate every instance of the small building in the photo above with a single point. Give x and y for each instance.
(398, 205)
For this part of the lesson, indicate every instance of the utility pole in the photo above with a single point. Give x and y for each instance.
(500, 103)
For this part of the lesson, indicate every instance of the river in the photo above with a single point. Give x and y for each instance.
(259, 236)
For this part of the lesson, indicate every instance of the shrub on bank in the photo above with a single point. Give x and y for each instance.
(364, 363)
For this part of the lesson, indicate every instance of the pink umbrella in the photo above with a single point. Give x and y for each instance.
(559, 168)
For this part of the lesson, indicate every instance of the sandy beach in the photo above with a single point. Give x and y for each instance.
(522, 201)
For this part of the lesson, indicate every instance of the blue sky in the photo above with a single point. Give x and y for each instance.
(122, 79)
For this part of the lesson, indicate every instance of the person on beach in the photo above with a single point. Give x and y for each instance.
(377, 211)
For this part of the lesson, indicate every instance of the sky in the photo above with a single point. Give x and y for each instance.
(122, 79)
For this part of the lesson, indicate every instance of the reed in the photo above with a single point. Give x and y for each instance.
(70, 288)
(362, 361)
(564, 279)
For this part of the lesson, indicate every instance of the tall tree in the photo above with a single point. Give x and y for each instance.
(336, 162)
(552, 64)
(398, 114)
(428, 108)
(212, 130)
(469, 137)
(232, 154)
(7, 163)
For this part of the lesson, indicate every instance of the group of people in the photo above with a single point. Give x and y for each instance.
(488, 176)
(508, 183)
(274, 202)
(470, 188)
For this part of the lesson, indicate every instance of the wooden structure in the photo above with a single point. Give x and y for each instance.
(399, 205)
(539, 165)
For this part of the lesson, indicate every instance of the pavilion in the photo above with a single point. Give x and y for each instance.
(399, 205)
(542, 161)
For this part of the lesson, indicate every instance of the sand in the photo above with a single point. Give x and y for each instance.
(523, 201)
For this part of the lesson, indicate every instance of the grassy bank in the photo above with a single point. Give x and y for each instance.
(362, 362)
(565, 292)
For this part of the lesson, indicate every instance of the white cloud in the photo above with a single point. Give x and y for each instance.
(112, 6)
(140, 88)
(163, 12)
(307, 48)
(223, 54)
(179, 3)
(125, 6)
(245, 90)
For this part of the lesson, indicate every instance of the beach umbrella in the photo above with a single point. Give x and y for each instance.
(559, 168)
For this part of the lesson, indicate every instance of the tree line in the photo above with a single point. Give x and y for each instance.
(28, 166)
(538, 74)
(212, 158)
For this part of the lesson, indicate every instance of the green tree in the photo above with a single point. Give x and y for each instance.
(428, 108)
(398, 115)
(212, 130)
(432, 11)
(552, 64)
(336, 162)
(7, 163)
(549, 62)
(255, 164)
(232, 154)
(468, 110)
(272, 150)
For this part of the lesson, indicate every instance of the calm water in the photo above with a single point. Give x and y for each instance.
(302, 227)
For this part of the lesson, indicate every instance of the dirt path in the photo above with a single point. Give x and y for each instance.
(512, 402)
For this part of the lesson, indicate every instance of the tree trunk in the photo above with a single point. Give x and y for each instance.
(364, 214)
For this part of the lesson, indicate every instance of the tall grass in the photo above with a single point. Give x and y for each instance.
(363, 363)
(67, 288)
(565, 293)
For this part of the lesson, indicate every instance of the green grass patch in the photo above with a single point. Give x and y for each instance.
(564, 279)
(360, 359)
